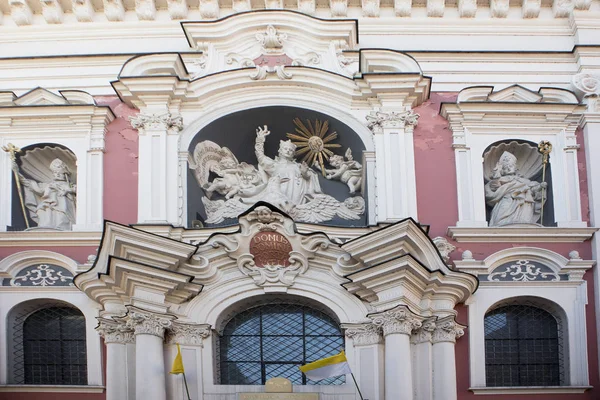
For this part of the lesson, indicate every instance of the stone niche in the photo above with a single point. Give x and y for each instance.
(48, 188)
(514, 192)
(270, 154)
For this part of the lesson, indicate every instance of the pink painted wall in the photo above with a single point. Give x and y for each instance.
(120, 164)
(438, 206)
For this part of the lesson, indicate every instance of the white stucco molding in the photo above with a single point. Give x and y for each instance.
(71, 119)
(566, 297)
(573, 266)
(481, 117)
(138, 268)
(405, 255)
(317, 56)
(11, 265)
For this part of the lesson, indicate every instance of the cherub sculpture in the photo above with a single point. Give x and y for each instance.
(234, 177)
(346, 170)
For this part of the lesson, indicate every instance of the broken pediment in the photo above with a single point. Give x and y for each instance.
(43, 97)
(516, 94)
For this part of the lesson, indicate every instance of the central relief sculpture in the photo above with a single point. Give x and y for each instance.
(282, 181)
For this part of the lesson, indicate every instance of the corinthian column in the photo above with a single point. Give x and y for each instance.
(368, 358)
(158, 166)
(149, 329)
(398, 325)
(421, 341)
(446, 331)
(116, 336)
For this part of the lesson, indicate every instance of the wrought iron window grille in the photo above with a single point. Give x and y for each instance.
(524, 346)
(48, 345)
(273, 340)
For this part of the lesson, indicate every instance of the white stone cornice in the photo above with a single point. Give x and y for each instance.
(20, 12)
(424, 334)
(499, 8)
(178, 9)
(444, 247)
(307, 6)
(403, 8)
(467, 8)
(274, 4)
(370, 8)
(83, 10)
(144, 122)
(363, 334)
(563, 8)
(115, 331)
(435, 8)
(377, 121)
(447, 330)
(397, 320)
(209, 9)
(239, 6)
(145, 10)
(531, 8)
(187, 334)
(583, 4)
(52, 11)
(143, 322)
(114, 10)
(339, 8)
(589, 84)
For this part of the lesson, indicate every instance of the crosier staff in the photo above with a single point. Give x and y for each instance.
(13, 150)
(544, 147)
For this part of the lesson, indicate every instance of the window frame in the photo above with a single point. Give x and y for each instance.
(257, 310)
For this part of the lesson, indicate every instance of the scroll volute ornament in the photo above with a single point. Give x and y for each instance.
(268, 249)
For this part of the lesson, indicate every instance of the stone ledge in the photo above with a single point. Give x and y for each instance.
(521, 235)
(49, 238)
(51, 388)
(530, 390)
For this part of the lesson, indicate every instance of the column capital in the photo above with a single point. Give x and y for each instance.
(377, 121)
(114, 331)
(397, 320)
(187, 334)
(447, 330)
(363, 334)
(425, 333)
(144, 322)
(165, 121)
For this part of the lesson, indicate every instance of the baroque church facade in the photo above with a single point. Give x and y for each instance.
(267, 184)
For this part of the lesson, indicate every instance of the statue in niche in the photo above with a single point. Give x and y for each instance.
(282, 181)
(346, 170)
(515, 198)
(51, 204)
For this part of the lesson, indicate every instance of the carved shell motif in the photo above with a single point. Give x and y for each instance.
(36, 163)
(529, 160)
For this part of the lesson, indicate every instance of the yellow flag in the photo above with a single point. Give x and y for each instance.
(177, 367)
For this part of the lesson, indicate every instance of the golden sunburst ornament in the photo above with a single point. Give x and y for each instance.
(312, 141)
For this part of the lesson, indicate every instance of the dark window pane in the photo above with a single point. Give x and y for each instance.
(274, 340)
(54, 347)
(522, 347)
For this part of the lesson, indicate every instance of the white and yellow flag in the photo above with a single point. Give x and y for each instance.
(327, 367)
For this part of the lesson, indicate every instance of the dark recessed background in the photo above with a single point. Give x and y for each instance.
(237, 131)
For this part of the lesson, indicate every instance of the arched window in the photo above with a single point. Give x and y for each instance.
(273, 340)
(50, 346)
(523, 347)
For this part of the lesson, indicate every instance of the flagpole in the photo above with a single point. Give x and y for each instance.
(186, 387)
(356, 384)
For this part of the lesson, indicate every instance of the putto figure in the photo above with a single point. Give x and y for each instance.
(282, 181)
(346, 170)
(51, 204)
(515, 199)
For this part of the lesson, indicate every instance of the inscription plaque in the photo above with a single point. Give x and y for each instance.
(270, 248)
